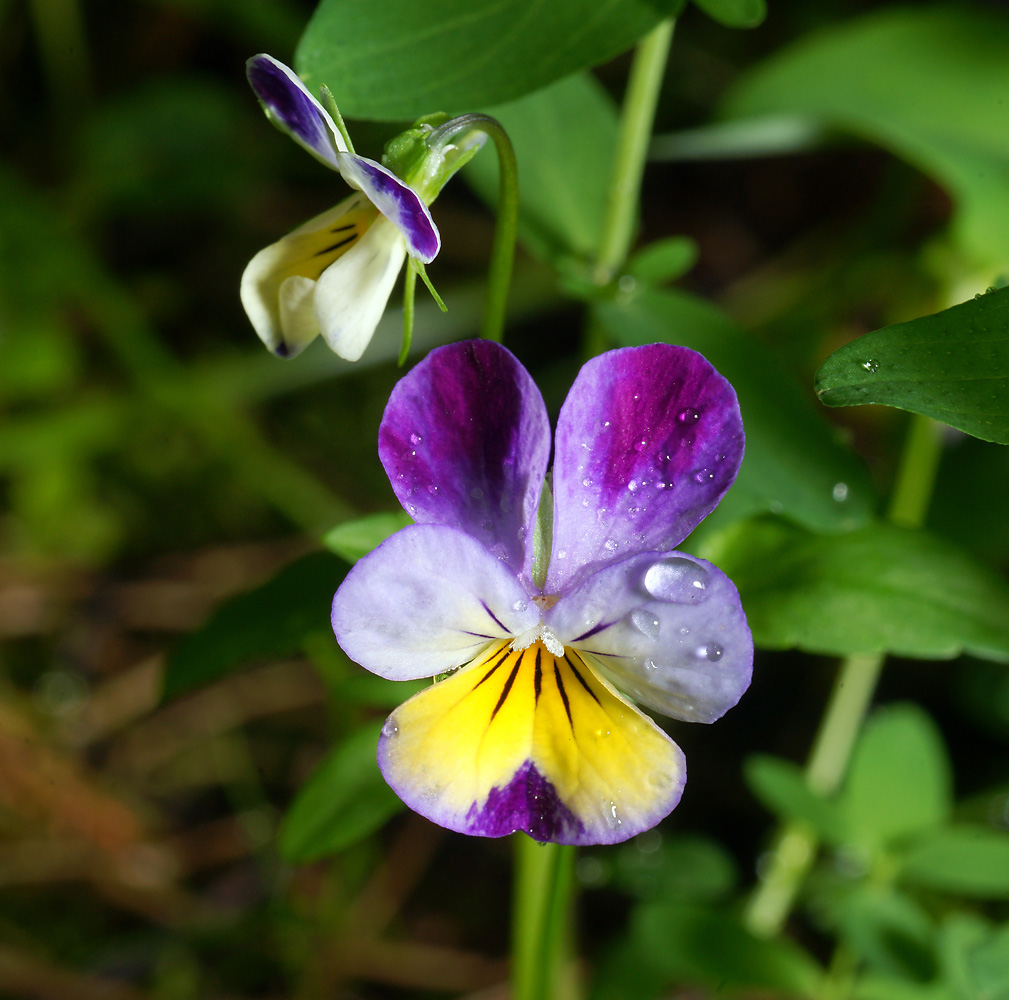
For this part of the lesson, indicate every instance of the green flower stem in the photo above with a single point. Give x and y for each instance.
(502, 255)
(633, 138)
(505, 231)
(544, 877)
(795, 844)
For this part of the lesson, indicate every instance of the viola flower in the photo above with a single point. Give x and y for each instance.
(334, 274)
(533, 730)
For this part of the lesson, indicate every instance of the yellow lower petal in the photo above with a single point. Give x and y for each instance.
(529, 741)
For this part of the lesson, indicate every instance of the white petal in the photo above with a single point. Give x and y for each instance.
(296, 255)
(352, 293)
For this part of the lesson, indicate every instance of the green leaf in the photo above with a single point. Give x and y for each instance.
(683, 867)
(975, 958)
(564, 137)
(344, 801)
(402, 59)
(354, 539)
(899, 781)
(793, 464)
(966, 860)
(889, 931)
(871, 986)
(953, 366)
(699, 944)
(271, 620)
(874, 590)
(926, 82)
(781, 787)
(663, 261)
(735, 13)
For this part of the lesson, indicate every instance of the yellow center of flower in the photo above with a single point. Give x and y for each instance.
(309, 254)
(456, 741)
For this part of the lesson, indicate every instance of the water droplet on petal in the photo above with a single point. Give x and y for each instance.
(432, 489)
(519, 606)
(639, 445)
(586, 481)
(476, 493)
(610, 545)
(677, 580)
(390, 729)
(688, 416)
(632, 485)
(612, 819)
(415, 439)
(711, 652)
(646, 623)
(703, 476)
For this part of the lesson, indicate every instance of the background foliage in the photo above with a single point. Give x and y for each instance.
(188, 800)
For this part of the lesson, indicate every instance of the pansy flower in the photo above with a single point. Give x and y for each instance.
(335, 273)
(533, 729)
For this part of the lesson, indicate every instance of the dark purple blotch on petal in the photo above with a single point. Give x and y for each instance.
(465, 441)
(528, 803)
(293, 108)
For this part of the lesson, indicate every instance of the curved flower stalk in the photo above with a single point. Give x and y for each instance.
(334, 274)
(532, 732)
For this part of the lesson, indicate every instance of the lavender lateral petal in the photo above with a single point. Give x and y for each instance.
(465, 441)
(294, 108)
(397, 201)
(668, 630)
(648, 441)
(425, 601)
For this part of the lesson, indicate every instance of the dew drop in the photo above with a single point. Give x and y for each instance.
(646, 623)
(415, 439)
(840, 492)
(432, 489)
(390, 729)
(688, 416)
(612, 819)
(711, 652)
(703, 476)
(651, 665)
(610, 545)
(476, 493)
(563, 554)
(871, 365)
(640, 445)
(677, 580)
(519, 606)
(632, 485)
(586, 481)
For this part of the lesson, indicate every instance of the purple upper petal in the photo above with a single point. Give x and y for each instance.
(397, 201)
(465, 441)
(294, 109)
(667, 628)
(648, 441)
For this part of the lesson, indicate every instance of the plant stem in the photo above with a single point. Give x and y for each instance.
(795, 844)
(636, 119)
(544, 877)
(502, 255)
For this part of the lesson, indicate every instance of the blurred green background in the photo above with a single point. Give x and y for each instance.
(155, 462)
